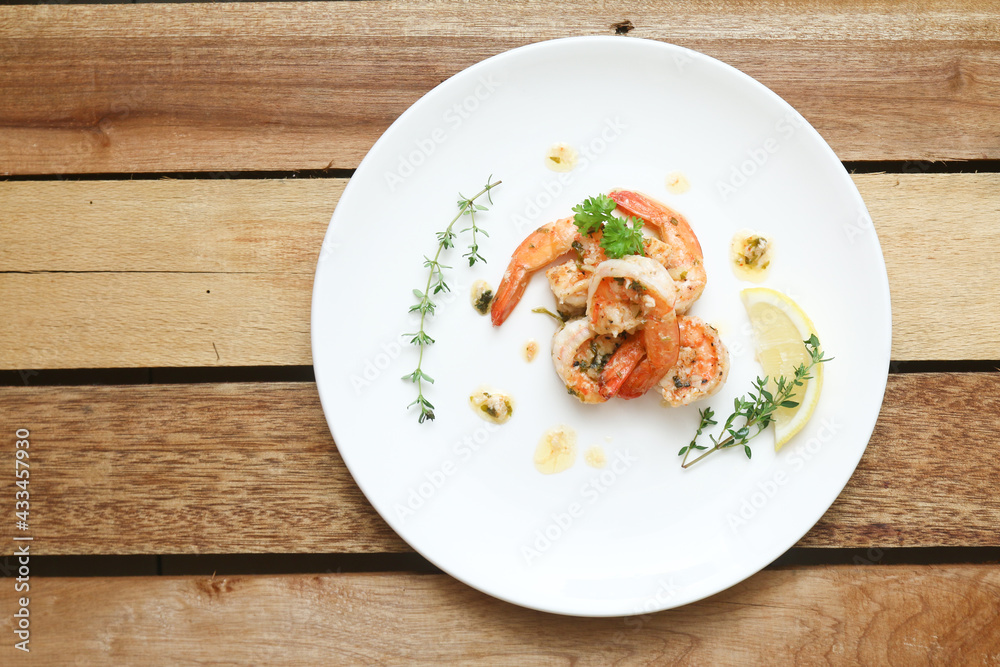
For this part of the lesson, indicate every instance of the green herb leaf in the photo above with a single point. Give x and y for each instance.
(435, 278)
(754, 409)
(593, 213)
(545, 311)
(621, 236)
(621, 239)
(706, 420)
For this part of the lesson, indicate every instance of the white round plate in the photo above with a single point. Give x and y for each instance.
(641, 534)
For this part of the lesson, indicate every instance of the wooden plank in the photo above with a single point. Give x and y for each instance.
(846, 615)
(154, 319)
(171, 87)
(912, 486)
(252, 468)
(214, 468)
(255, 226)
(926, 225)
(160, 273)
(164, 269)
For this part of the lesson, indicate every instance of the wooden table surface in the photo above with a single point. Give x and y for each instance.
(169, 171)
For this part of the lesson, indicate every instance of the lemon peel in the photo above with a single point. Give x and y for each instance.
(779, 328)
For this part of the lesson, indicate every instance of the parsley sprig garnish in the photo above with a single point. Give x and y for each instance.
(754, 410)
(593, 213)
(436, 284)
(622, 236)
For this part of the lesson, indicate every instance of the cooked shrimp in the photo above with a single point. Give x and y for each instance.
(579, 355)
(614, 305)
(646, 284)
(569, 283)
(677, 249)
(702, 366)
(701, 369)
(542, 247)
(570, 280)
(625, 360)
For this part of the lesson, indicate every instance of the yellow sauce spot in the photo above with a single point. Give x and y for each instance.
(481, 296)
(677, 183)
(595, 457)
(492, 405)
(556, 450)
(751, 255)
(530, 350)
(561, 157)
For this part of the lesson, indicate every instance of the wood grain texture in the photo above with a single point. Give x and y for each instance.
(98, 320)
(889, 615)
(244, 86)
(252, 468)
(265, 226)
(914, 485)
(152, 273)
(937, 233)
(160, 273)
(224, 468)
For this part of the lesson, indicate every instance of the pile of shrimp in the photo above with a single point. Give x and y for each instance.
(627, 331)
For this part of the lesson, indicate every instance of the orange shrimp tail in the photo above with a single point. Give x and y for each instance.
(603, 299)
(663, 345)
(621, 365)
(638, 382)
(511, 289)
(657, 214)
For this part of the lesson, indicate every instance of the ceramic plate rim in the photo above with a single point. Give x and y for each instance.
(399, 125)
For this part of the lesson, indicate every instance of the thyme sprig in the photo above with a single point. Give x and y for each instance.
(470, 208)
(436, 284)
(754, 410)
(706, 420)
(560, 318)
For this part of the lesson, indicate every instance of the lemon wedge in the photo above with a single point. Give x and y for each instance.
(779, 329)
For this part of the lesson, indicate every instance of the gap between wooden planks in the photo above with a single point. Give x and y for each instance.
(840, 615)
(202, 272)
(245, 86)
(252, 468)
